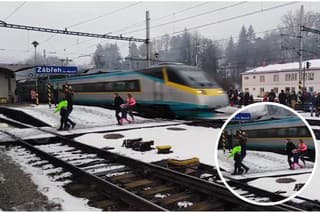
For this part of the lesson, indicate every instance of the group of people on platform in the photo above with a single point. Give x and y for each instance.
(309, 100)
(239, 98)
(296, 153)
(239, 152)
(123, 108)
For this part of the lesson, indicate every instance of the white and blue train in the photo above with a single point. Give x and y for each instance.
(163, 90)
(272, 134)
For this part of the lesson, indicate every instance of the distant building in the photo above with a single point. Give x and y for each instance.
(8, 81)
(279, 77)
(7, 86)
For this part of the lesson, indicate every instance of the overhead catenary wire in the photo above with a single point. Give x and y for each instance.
(189, 17)
(161, 17)
(228, 19)
(95, 18)
(153, 20)
(15, 10)
(103, 15)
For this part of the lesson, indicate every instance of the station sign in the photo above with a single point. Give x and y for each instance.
(242, 117)
(56, 70)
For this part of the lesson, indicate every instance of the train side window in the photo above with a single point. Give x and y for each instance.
(108, 86)
(119, 86)
(153, 72)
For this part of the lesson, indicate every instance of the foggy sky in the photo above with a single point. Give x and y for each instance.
(15, 45)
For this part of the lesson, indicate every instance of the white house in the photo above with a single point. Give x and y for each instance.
(279, 77)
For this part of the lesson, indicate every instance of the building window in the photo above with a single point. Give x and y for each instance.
(293, 89)
(275, 89)
(291, 77)
(254, 77)
(262, 78)
(287, 77)
(287, 89)
(246, 78)
(310, 89)
(262, 90)
(246, 89)
(254, 89)
(275, 78)
(310, 76)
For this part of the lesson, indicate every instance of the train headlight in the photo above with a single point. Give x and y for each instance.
(202, 92)
(220, 91)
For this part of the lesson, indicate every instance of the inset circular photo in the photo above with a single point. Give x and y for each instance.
(266, 153)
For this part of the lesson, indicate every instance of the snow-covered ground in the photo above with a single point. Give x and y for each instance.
(307, 116)
(264, 164)
(193, 142)
(49, 186)
(271, 184)
(83, 116)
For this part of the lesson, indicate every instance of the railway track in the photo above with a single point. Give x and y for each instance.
(210, 174)
(132, 184)
(159, 188)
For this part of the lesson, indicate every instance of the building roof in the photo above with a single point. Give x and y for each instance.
(315, 64)
(15, 67)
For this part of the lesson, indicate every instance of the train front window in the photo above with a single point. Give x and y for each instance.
(196, 78)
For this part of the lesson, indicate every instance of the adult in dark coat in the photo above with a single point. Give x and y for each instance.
(282, 98)
(55, 91)
(289, 149)
(246, 98)
(69, 98)
(313, 103)
(117, 101)
(318, 105)
(243, 144)
(293, 98)
(272, 96)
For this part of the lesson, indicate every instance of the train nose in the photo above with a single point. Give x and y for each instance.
(214, 102)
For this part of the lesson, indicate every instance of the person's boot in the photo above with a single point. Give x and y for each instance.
(246, 170)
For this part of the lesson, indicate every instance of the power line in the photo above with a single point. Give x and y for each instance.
(229, 19)
(189, 17)
(95, 18)
(14, 11)
(239, 16)
(162, 17)
(66, 32)
(103, 15)
(155, 19)
(180, 11)
(177, 48)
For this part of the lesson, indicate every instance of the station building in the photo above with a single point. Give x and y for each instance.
(8, 81)
(279, 77)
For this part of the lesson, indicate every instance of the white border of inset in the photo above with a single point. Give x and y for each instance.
(237, 194)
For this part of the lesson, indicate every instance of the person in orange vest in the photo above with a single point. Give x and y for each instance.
(131, 103)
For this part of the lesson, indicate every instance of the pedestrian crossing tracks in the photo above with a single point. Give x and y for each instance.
(31, 132)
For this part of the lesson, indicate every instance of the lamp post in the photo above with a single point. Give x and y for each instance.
(35, 44)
